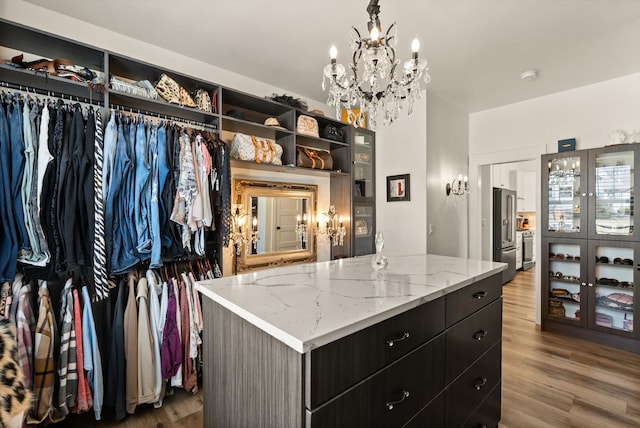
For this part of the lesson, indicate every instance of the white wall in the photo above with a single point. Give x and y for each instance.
(528, 129)
(401, 148)
(447, 157)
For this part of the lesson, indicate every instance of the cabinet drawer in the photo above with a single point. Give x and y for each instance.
(371, 403)
(488, 414)
(432, 416)
(473, 386)
(469, 299)
(354, 357)
(472, 337)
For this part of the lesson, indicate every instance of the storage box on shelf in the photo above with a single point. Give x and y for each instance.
(592, 258)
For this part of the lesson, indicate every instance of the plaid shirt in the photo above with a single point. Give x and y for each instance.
(25, 323)
(67, 364)
(44, 375)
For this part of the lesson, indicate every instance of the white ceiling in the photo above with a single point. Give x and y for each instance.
(476, 48)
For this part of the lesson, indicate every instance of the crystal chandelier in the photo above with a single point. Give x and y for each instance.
(376, 84)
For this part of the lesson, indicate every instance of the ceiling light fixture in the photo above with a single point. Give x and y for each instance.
(375, 84)
(529, 75)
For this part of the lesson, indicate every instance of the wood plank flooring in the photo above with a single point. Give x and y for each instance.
(548, 380)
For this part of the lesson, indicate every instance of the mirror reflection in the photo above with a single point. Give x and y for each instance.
(278, 221)
(279, 214)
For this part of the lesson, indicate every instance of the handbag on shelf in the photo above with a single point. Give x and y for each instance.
(307, 126)
(203, 100)
(312, 158)
(331, 132)
(170, 91)
(257, 149)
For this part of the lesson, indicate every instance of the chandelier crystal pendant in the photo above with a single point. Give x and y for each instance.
(378, 83)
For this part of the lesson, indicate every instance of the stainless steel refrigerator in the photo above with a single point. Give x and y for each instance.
(504, 231)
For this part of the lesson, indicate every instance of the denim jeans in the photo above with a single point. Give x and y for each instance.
(142, 189)
(163, 174)
(120, 245)
(154, 205)
(109, 154)
(25, 191)
(17, 171)
(8, 232)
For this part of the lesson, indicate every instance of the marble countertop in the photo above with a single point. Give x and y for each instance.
(309, 305)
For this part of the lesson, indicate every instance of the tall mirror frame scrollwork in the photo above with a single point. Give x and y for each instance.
(261, 202)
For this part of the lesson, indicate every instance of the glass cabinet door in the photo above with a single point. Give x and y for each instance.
(363, 161)
(565, 278)
(564, 195)
(611, 289)
(364, 226)
(611, 193)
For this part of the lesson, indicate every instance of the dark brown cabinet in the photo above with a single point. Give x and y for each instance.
(591, 264)
(421, 368)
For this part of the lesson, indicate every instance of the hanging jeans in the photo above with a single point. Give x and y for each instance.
(8, 232)
(154, 205)
(142, 195)
(17, 170)
(118, 206)
(25, 189)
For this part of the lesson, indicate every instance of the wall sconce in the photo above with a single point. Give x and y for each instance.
(239, 237)
(334, 229)
(458, 186)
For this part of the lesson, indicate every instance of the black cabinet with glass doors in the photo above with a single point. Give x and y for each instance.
(591, 248)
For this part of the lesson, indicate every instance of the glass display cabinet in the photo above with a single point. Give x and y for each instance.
(612, 287)
(611, 192)
(363, 196)
(564, 279)
(564, 194)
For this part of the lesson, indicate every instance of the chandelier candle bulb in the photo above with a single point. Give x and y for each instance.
(333, 53)
(415, 47)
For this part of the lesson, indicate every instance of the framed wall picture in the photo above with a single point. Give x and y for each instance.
(398, 188)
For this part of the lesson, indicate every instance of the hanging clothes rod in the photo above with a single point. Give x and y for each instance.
(32, 90)
(132, 111)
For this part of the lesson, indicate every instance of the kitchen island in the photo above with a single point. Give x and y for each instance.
(338, 344)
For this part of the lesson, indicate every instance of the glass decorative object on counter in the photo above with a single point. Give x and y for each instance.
(379, 261)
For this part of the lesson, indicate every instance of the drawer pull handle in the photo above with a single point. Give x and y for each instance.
(479, 295)
(479, 335)
(479, 383)
(405, 335)
(391, 404)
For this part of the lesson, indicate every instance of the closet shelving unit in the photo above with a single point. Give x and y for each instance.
(15, 39)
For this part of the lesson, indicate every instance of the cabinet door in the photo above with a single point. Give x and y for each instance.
(363, 165)
(564, 280)
(363, 228)
(611, 193)
(564, 194)
(612, 296)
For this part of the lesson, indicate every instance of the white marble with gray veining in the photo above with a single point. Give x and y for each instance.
(309, 305)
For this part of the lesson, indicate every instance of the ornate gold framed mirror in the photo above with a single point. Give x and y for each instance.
(278, 218)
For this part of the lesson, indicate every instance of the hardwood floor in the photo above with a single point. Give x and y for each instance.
(548, 380)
